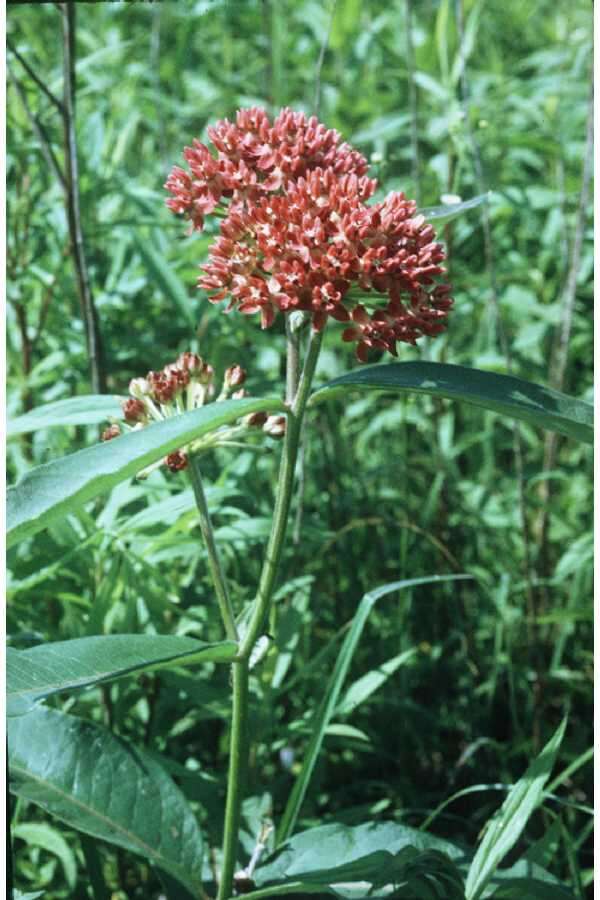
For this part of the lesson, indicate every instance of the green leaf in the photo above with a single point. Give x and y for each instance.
(362, 689)
(323, 715)
(52, 490)
(504, 829)
(504, 394)
(164, 277)
(386, 853)
(48, 669)
(526, 880)
(439, 215)
(97, 783)
(40, 834)
(87, 410)
(531, 889)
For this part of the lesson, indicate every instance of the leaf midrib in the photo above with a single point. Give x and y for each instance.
(97, 677)
(111, 823)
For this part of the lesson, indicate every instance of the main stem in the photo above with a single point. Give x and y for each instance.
(239, 744)
(236, 776)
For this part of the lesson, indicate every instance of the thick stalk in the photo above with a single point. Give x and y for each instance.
(236, 777)
(214, 561)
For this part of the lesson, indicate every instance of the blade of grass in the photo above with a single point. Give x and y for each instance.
(324, 713)
(504, 829)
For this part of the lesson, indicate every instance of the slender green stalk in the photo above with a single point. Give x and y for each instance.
(292, 371)
(238, 754)
(283, 499)
(239, 744)
(214, 562)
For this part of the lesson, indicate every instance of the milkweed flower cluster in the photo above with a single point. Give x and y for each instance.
(179, 387)
(298, 232)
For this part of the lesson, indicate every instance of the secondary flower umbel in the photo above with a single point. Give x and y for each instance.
(184, 385)
(299, 233)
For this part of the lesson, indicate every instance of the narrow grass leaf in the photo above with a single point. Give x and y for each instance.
(364, 687)
(164, 277)
(504, 829)
(439, 215)
(511, 397)
(50, 491)
(97, 783)
(325, 711)
(39, 672)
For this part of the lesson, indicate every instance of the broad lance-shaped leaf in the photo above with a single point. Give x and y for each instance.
(34, 674)
(337, 855)
(504, 394)
(57, 488)
(99, 784)
(90, 409)
(504, 830)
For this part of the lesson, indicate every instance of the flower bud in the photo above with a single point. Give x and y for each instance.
(255, 420)
(235, 376)
(190, 362)
(139, 388)
(111, 432)
(206, 375)
(181, 377)
(275, 426)
(239, 395)
(176, 461)
(134, 410)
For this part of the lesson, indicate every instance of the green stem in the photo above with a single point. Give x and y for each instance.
(239, 744)
(283, 499)
(292, 370)
(236, 777)
(214, 562)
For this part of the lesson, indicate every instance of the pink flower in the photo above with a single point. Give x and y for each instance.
(299, 233)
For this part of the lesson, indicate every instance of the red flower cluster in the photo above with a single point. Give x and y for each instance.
(299, 234)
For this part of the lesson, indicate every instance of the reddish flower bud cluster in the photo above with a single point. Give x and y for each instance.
(186, 384)
(299, 234)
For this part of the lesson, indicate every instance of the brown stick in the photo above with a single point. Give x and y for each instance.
(34, 77)
(88, 309)
(38, 129)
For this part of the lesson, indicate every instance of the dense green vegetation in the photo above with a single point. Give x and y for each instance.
(472, 677)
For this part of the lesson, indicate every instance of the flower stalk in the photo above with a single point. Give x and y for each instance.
(239, 743)
(214, 560)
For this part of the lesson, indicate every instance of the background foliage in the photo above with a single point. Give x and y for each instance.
(446, 99)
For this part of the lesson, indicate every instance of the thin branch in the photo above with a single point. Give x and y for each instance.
(90, 316)
(321, 59)
(35, 78)
(39, 130)
(412, 102)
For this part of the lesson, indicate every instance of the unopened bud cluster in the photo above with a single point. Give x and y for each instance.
(182, 386)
